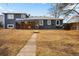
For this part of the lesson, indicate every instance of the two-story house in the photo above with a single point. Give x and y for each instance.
(10, 19)
(22, 21)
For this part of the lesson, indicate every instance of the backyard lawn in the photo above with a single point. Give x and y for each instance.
(58, 43)
(11, 40)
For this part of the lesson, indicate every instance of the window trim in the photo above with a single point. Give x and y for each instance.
(58, 22)
(23, 16)
(41, 22)
(48, 22)
(10, 16)
(9, 25)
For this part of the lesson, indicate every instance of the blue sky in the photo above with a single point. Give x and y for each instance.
(36, 9)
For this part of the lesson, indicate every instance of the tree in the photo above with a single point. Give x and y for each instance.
(56, 9)
(64, 9)
(70, 9)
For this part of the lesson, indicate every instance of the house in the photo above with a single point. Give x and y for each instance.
(10, 19)
(73, 23)
(21, 21)
(1, 20)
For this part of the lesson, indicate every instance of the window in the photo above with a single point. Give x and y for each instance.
(57, 22)
(49, 22)
(61, 22)
(53, 22)
(10, 16)
(23, 16)
(41, 23)
(45, 22)
(10, 25)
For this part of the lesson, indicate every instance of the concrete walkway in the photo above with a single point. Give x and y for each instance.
(30, 48)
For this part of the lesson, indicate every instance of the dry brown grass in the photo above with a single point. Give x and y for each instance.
(58, 43)
(49, 42)
(11, 41)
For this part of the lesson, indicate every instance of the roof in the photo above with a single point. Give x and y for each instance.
(14, 13)
(39, 18)
(74, 19)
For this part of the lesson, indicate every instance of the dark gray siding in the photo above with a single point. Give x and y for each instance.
(11, 21)
(8, 21)
(52, 26)
(46, 26)
(5, 20)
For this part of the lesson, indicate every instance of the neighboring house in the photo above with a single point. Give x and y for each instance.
(1, 19)
(20, 21)
(73, 23)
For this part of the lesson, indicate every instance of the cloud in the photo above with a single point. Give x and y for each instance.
(2, 10)
(5, 10)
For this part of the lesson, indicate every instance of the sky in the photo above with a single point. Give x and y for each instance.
(34, 9)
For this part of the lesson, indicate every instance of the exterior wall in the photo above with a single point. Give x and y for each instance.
(72, 26)
(52, 26)
(1, 20)
(75, 26)
(5, 20)
(11, 21)
(36, 25)
(44, 26)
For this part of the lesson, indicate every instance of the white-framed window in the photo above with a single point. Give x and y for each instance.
(49, 22)
(23, 16)
(10, 16)
(10, 25)
(57, 22)
(41, 22)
